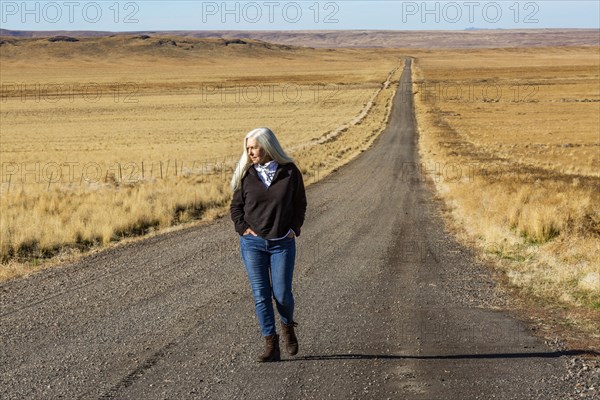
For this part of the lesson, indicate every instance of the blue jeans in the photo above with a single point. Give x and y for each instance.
(270, 267)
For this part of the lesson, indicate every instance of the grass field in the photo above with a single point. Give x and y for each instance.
(108, 138)
(511, 138)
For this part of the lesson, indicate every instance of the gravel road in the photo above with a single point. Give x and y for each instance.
(389, 306)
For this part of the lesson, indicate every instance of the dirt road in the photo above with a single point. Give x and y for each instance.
(388, 306)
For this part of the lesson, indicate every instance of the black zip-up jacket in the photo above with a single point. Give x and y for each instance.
(270, 211)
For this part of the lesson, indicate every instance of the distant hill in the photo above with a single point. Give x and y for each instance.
(470, 38)
(66, 46)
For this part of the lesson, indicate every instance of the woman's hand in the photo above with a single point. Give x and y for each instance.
(249, 231)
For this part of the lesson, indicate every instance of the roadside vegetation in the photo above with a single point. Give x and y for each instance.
(510, 139)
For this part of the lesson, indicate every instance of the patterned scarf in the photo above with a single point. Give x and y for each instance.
(266, 171)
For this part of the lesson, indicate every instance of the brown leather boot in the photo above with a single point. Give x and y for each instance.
(289, 337)
(271, 352)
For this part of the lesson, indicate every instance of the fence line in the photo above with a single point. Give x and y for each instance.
(117, 173)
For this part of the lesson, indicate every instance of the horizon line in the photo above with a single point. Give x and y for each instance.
(300, 30)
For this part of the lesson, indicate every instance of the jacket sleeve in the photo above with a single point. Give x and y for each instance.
(298, 203)
(237, 212)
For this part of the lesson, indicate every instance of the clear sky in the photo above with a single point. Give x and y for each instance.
(143, 15)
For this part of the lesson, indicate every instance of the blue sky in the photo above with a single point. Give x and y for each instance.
(144, 15)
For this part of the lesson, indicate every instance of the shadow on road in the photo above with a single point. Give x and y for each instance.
(549, 354)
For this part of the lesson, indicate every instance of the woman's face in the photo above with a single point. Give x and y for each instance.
(256, 153)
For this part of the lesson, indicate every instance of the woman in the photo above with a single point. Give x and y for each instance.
(268, 208)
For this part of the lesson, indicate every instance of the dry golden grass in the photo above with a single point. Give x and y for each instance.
(83, 170)
(542, 104)
(520, 175)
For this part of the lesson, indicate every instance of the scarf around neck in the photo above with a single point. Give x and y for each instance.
(266, 171)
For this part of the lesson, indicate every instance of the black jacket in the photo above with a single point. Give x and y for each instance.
(272, 211)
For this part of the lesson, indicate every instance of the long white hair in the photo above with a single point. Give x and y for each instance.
(266, 140)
